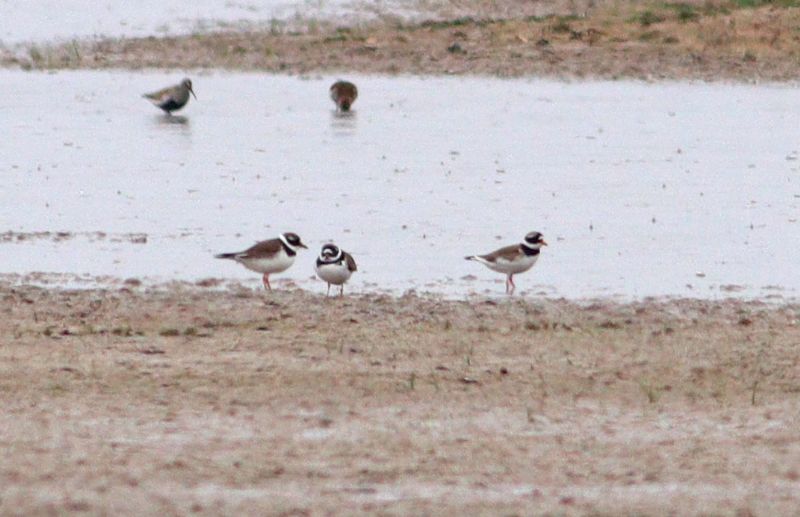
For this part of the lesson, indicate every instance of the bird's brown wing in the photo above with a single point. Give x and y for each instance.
(263, 249)
(161, 95)
(344, 88)
(350, 261)
(508, 253)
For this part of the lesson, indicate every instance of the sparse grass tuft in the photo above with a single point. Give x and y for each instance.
(446, 24)
(122, 331)
(685, 12)
(649, 35)
(647, 18)
(36, 56)
(651, 391)
(533, 326)
(750, 4)
(561, 25)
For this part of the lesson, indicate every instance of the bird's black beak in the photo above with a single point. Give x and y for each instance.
(192, 92)
(302, 245)
(542, 242)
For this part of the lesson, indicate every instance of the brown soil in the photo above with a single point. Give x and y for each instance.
(185, 400)
(607, 39)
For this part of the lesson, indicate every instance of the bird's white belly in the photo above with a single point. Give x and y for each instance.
(276, 264)
(512, 267)
(335, 274)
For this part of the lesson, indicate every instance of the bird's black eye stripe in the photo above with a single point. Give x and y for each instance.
(533, 237)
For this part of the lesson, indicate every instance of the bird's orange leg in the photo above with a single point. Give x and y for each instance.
(266, 281)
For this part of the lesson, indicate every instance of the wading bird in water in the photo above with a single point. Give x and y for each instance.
(172, 98)
(344, 94)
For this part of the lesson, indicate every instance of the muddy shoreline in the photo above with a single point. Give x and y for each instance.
(208, 402)
(699, 41)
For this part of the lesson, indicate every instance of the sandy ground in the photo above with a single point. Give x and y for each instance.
(183, 400)
(722, 40)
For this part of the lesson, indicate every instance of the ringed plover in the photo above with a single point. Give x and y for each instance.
(335, 266)
(514, 259)
(268, 257)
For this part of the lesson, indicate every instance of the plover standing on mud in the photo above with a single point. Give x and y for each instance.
(268, 257)
(344, 94)
(335, 266)
(514, 259)
(172, 98)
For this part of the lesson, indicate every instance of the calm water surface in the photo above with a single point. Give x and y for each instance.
(46, 20)
(641, 189)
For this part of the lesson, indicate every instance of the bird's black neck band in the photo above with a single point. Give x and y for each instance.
(288, 249)
(531, 252)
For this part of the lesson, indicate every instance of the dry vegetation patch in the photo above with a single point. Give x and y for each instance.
(736, 39)
(190, 400)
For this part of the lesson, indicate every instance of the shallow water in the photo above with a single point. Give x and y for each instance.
(640, 189)
(45, 20)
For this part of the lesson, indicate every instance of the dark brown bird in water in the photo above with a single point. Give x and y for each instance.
(172, 98)
(344, 94)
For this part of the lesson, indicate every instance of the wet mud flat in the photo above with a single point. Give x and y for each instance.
(182, 399)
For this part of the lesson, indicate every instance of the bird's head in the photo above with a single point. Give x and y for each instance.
(293, 240)
(330, 252)
(187, 83)
(534, 240)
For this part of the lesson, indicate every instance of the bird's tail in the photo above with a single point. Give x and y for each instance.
(225, 256)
